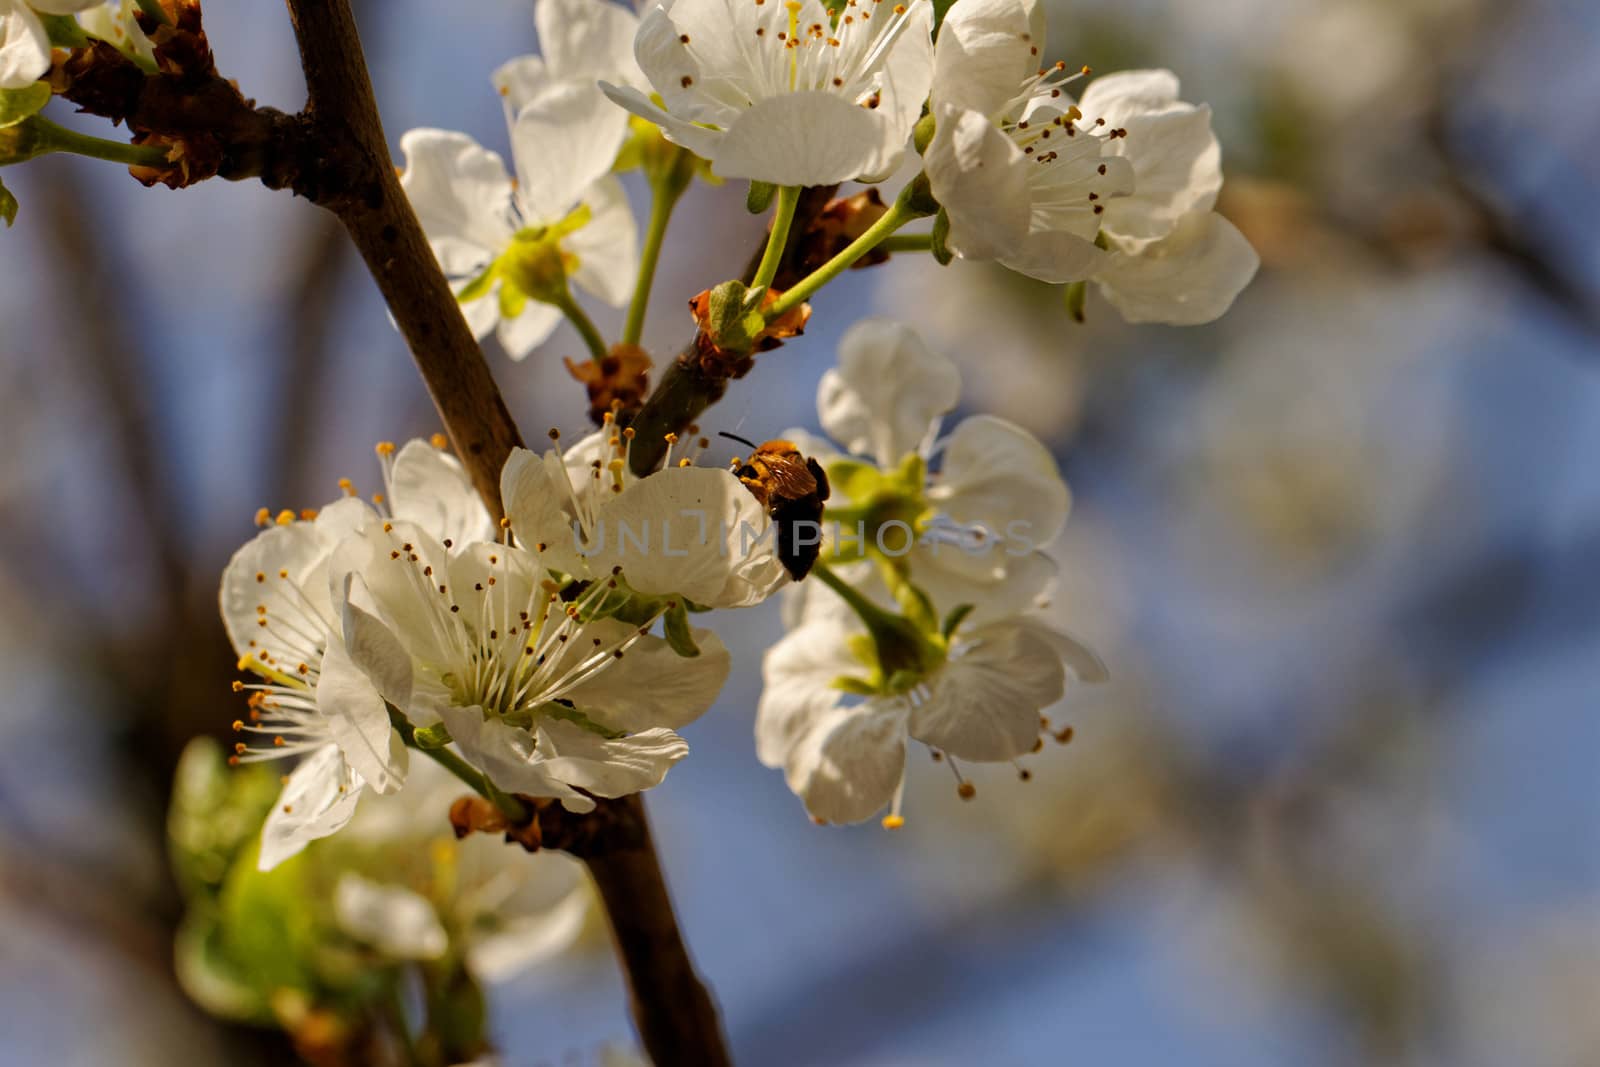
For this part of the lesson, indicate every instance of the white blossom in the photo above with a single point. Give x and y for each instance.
(280, 607)
(784, 92)
(511, 247)
(1023, 175)
(836, 720)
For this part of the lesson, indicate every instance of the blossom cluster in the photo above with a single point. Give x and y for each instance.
(550, 655)
(420, 622)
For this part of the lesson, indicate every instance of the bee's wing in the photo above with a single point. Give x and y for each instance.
(791, 479)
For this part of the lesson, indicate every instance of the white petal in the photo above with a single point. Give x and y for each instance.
(806, 138)
(1056, 257)
(399, 923)
(609, 767)
(986, 49)
(252, 580)
(529, 330)
(564, 140)
(1176, 159)
(24, 47)
(1189, 279)
(519, 80)
(376, 652)
(584, 40)
(545, 916)
(903, 86)
(462, 196)
(684, 531)
(979, 176)
(651, 685)
(358, 721)
(849, 764)
(508, 756)
(797, 686)
(535, 501)
(986, 701)
(888, 393)
(998, 474)
(318, 800)
(997, 584)
(429, 487)
(697, 139)
(607, 247)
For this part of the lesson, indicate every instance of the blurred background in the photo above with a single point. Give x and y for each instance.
(1340, 804)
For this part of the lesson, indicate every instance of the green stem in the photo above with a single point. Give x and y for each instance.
(583, 323)
(664, 198)
(64, 31)
(48, 137)
(898, 215)
(907, 242)
(866, 609)
(778, 239)
(154, 9)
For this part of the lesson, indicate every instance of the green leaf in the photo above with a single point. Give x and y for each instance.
(8, 205)
(759, 198)
(18, 104)
(477, 287)
(214, 980)
(676, 628)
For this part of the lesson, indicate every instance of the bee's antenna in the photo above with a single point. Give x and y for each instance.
(736, 437)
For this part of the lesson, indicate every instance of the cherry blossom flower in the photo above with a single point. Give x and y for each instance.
(309, 699)
(511, 247)
(837, 709)
(1022, 175)
(784, 92)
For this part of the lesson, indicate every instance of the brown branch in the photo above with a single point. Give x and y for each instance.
(691, 384)
(676, 1019)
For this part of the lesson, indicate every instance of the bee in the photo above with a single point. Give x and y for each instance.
(793, 488)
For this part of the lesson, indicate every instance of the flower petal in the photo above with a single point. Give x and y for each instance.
(584, 40)
(697, 139)
(986, 701)
(462, 195)
(607, 247)
(979, 176)
(318, 800)
(797, 685)
(1055, 256)
(986, 49)
(609, 767)
(429, 487)
(849, 764)
(399, 923)
(271, 571)
(529, 330)
(998, 474)
(1189, 279)
(564, 140)
(808, 137)
(358, 721)
(888, 393)
(508, 755)
(521, 79)
(650, 684)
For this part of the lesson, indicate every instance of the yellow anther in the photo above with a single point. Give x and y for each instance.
(893, 822)
(378, 498)
(684, 462)
(238, 724)
(307, 514)
(615, 466)
(385, 448)
(255, 666)
(263, 517)
(347, 486)
(439, 441)
(285, 517)
(672, 438)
